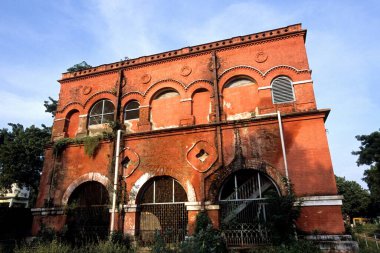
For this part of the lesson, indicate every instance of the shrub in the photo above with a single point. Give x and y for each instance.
(295, 247)
(206, 239)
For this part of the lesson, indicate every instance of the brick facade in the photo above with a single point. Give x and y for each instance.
(194, 127)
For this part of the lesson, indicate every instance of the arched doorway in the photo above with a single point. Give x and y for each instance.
(88, 213)
(244, 208)
(162, 209)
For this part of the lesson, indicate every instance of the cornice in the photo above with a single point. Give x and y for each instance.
(174, 55)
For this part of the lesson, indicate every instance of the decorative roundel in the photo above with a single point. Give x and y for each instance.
(145, 78)
(201, 156)
(185, 71)
(86, 90)
(129, 162)
(261, 57)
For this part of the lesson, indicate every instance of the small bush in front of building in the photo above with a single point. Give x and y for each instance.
(300, 246)
(206, 239)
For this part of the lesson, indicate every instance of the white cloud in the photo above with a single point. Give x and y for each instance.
(20, 109)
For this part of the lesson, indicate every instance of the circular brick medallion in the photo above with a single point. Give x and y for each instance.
(261, 57)
(86, 90)
(185, 71)
(145, 78)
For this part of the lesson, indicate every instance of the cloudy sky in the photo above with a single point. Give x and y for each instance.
(41, 39)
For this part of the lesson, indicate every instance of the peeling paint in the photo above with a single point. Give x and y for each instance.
(244, 115)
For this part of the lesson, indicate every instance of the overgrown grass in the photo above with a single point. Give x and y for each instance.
(57, 247)
(300, 246)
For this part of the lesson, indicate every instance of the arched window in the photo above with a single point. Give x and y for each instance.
(102, 112)
(166, 110)
(72, 123)
(132, 110)
(282, 90)
(240, 97)
(162, 209)
(238, 82)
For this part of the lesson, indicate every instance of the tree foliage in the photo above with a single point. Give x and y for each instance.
(356, 200)
(369, 154)
(51, 106)
(21, 154)
(80, 66)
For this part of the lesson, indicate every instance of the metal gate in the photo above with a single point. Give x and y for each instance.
(163, 210)
(170, 220)
(244, 210)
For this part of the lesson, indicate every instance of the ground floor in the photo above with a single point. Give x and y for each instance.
(242, 209)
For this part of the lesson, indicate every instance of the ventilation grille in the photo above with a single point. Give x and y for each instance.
(282, 90)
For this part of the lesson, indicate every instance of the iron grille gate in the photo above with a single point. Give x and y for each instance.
(170, 219)
(248, 225)
(244, 208)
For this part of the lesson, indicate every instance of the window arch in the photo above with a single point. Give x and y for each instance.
(132, 110)
(282, 90)
(163, 190)
(102, 112)
(72, 123)
(239, 81)
(240, 97)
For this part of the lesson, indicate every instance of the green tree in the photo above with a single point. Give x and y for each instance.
(51, 106)
(356, 200)
(21, 155)
(369, 154)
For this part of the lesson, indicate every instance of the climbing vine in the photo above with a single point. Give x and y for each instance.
(91, 143)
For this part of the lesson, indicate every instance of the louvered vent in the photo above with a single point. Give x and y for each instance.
(282, 90)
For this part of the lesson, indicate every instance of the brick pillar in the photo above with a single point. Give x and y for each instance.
(130, 219)
(144, 123)
(82, 126)
(193, 208)
(187, 118)
(58, 129)
(213, 214)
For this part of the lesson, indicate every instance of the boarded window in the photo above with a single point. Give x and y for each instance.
(282, 90)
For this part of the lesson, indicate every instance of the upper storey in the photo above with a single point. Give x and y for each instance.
(238, 78)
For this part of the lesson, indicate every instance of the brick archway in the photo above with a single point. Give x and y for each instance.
(138, 185)
(92, 176)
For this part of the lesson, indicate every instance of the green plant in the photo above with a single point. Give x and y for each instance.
(80, 66)
(91, 144)
(121, 239)
(41, 247)
(206, 239)
(295, 247)
(284, 211)
(159, 245)
(61, 144)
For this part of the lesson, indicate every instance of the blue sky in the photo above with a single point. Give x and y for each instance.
(41, 39)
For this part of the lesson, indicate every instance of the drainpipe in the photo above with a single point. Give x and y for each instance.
(117, 154)
(283, 145)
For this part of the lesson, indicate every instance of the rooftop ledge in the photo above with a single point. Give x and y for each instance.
(245, 39)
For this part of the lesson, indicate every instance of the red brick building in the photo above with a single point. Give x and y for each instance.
(212, 127)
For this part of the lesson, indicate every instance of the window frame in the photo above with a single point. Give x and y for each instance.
(131, 110)
(102, 114)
